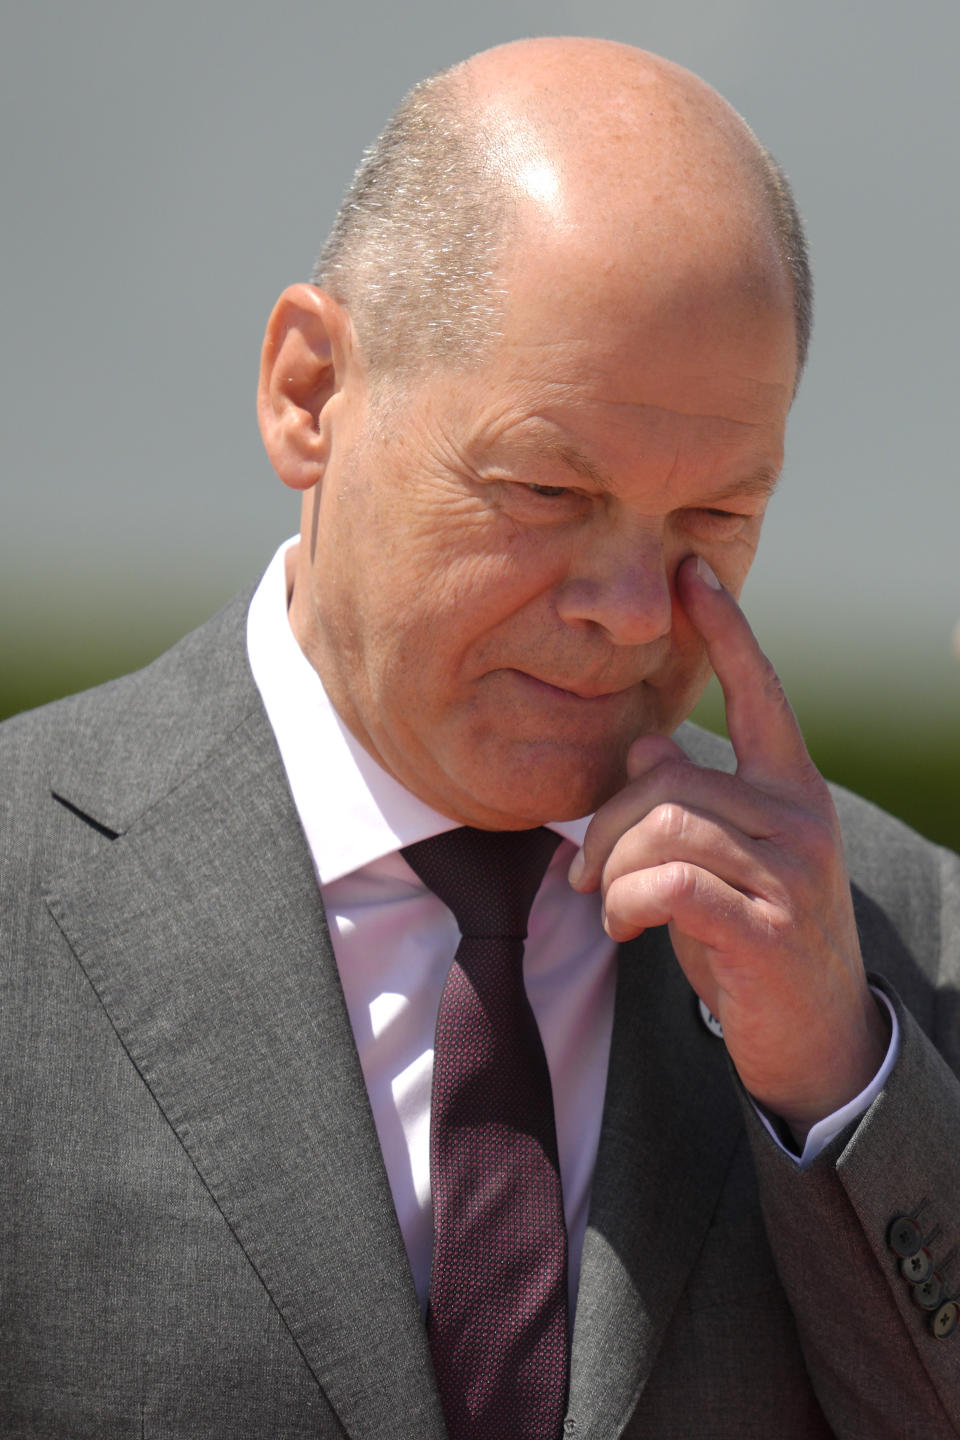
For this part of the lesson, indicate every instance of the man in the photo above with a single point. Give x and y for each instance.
(536, 404)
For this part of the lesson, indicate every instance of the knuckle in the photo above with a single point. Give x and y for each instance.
(778, 922)
(773, 930)
(670, 820)
(677, 880)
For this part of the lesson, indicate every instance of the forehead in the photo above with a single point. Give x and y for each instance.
(667, 283)
(700, 403)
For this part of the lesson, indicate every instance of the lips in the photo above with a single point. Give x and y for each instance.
(577, 690)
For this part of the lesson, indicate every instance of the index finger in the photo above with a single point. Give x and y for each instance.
(763, 729)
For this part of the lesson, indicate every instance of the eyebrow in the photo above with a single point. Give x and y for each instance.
(760, 485)
(569, 455)
(576, 461)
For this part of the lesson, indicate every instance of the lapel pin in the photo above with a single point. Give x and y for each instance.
(711, 1021)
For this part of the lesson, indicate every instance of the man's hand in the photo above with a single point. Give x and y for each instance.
(748, 872)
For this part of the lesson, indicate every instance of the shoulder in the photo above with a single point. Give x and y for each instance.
(107, 752)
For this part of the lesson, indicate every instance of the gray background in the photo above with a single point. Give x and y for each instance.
(167, 169)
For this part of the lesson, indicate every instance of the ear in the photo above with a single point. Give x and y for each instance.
(307, 348)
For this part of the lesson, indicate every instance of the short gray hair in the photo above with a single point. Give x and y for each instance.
(791, 236)
(415, 248)
(413, 252)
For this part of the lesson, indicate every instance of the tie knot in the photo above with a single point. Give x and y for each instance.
(488, 878)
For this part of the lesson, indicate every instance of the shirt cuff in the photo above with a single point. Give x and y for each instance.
(820, 1135)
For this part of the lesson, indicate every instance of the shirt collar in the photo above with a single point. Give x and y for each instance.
(328, 770)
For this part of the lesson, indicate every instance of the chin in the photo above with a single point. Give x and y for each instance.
(541, 789)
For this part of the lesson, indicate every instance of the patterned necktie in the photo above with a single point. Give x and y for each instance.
(497, 1317)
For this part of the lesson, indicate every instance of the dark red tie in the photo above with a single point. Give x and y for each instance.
(497, 1316)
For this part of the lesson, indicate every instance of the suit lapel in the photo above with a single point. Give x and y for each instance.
(202, 931)
(671, 1123)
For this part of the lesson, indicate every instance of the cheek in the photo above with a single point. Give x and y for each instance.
(434, 615)
(472, 576)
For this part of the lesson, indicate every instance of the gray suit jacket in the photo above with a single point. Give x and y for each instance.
(196, 1231)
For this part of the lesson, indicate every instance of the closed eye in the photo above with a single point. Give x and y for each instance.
(541, 504)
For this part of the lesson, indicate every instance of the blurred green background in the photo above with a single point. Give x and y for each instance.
(890, 734)
(905, 759)
(167, 169)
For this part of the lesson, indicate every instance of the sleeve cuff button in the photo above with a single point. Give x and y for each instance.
(904, 1237)
(917, 1268)
(929, 1294)
(945, 1321)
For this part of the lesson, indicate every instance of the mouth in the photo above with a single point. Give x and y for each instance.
(583, 691)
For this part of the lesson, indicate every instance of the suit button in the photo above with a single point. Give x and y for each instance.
(917, 1268)
(904, 1237)
(930, 1293)
(945, 1321)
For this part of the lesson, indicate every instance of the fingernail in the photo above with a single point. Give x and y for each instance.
(577, 867)
(706, 574)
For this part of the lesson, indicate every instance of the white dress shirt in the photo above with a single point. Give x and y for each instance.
(394, 940)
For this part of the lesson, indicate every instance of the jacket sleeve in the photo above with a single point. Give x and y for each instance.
(881, 1339)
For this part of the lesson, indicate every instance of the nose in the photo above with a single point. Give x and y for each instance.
(621, 584)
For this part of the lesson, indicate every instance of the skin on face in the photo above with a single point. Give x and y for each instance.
(490, 599)
(486, 580)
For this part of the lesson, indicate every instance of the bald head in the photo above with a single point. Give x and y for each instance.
(592, 157)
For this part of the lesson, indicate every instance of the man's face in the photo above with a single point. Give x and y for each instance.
(491, 603)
